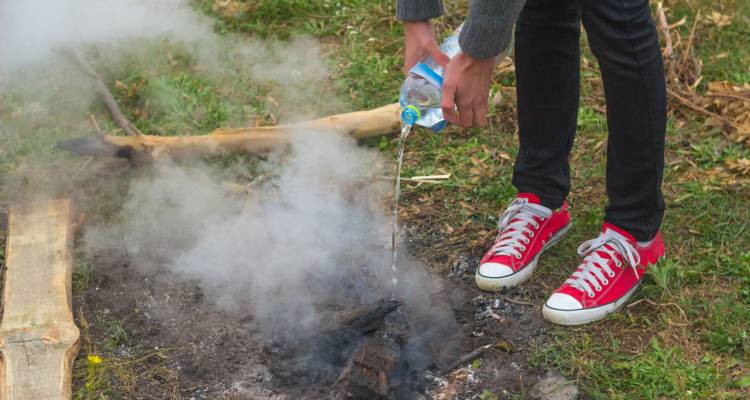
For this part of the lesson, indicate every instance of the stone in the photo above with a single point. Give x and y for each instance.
(554, 386)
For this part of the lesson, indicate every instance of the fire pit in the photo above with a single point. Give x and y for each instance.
(374, 352)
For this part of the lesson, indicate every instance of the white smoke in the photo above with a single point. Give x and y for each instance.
(313, 238)
(33, 30)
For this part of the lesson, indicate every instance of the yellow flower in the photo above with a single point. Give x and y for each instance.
(94, 360)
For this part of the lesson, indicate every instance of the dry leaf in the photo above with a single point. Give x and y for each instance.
(718, 19)
(741, 166)
(231, 8)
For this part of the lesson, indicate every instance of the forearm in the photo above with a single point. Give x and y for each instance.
(489, 27)
(418, 10)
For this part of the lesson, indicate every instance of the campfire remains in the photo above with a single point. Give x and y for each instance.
(371, 353)
(377, 351)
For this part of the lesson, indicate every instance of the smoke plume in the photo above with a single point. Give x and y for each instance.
(33, 30)
(311, 239)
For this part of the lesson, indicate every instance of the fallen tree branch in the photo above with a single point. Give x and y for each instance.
(664, 25)
(106, 96)
(142, 148)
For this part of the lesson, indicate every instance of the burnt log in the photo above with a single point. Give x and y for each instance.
(368, 373)
(320, 359)
(386, 365)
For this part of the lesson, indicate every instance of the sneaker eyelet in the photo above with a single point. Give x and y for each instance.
(531, 234)
(618, 264)
(591, 295)
(605, 282)
(598, 288)
(612, 275)
(526, 240)
(518, 257)
(523, 248)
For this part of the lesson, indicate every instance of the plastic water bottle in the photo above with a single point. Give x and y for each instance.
(421, 92)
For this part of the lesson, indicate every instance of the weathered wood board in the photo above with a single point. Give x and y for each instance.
(38, 337)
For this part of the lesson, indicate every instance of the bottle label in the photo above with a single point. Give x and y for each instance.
(426, 72)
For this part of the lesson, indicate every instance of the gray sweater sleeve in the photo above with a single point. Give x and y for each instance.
(418, 10)
(489, 27)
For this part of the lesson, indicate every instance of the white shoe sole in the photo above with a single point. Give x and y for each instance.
(586, 315)
(494, 284)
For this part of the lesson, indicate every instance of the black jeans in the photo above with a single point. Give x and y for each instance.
(623, 38)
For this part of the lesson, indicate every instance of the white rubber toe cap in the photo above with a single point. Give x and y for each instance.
(561, 301)
(495, 270)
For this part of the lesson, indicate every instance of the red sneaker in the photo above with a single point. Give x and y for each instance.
(527, 229)
(611, 272)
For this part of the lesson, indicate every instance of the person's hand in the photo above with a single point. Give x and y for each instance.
(466, 87)
(419, 42)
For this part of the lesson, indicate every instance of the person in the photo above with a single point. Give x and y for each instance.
(623, 38)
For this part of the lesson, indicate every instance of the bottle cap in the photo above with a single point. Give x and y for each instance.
(410, 115)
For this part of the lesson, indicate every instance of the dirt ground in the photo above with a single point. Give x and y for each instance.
(183, 347)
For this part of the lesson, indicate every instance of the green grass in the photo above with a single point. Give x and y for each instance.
(724, 50)
(657, 372)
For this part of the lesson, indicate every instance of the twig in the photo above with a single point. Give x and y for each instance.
(82, 167)
(728, 96)
(687, 103)
(684, 316)
(106, 96)
(419, 179)
(431, 177)
(95, 123)
(519, 302)
(689, 47)
(668, 50)
(469, 356)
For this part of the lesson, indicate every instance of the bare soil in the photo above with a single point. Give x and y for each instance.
(184, 347)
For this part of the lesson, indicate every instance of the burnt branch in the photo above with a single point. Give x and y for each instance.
(105, 95)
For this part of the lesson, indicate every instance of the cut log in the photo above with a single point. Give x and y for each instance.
(38, 338)
(319, 359)
(140, 149)
(367, 374)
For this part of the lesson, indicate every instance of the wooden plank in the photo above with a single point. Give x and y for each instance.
(38, 337)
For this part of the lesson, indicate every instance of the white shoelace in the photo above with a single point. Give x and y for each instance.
(591, 275)
(515, 229)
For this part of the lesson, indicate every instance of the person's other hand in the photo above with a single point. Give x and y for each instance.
(466, 87)
(419, 42)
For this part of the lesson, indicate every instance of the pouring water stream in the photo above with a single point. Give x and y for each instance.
(405, 129)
